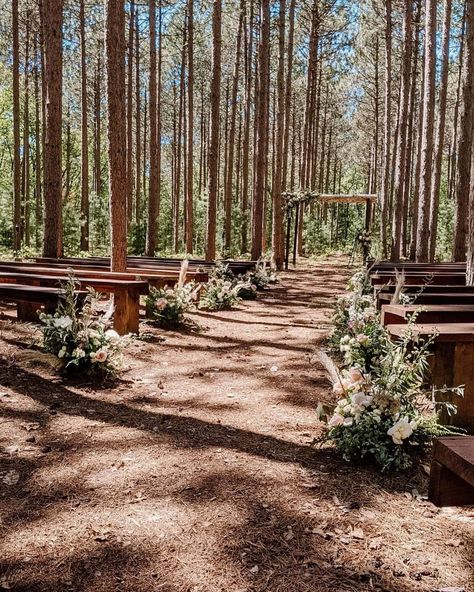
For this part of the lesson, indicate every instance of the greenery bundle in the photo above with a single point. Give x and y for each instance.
(80, 336)
(382, 413)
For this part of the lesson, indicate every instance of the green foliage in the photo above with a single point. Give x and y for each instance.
(169, 305)
(382, 414)
(80, 338)
(221, 294)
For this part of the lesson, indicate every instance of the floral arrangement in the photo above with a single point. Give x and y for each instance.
(382, 413)
(220, 294)
(168, 306)
(262, 276)
(81, 337)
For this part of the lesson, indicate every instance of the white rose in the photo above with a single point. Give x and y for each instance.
(62, 322)
(336, 420)
(112, 335)
(401, 430)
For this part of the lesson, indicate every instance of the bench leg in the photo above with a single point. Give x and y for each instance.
(447, 489)
(127, 311)
(453, 366)
(27, 311)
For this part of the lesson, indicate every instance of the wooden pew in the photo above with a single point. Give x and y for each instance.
(452, 365)
(452, 471)
(126, 291)
(454, 278)
(154, 278)
(427, 314)
(29, 299)
(427, 297)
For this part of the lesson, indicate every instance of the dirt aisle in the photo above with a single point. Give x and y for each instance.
(196, 473)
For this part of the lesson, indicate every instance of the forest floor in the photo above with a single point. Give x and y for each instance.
(196, 472)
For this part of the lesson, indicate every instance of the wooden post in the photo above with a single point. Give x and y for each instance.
(295, 238)
(368, 215)
(127, 311)
(288, 232)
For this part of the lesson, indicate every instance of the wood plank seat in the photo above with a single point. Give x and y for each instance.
(126, 290)
(29, 299)
(451, 365)
(446, 298)
(452, 471)
(444, 278)
(426, 314)
(155, 278)
(153, 262)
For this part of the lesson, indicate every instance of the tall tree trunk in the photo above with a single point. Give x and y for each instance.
(439, 144)
(260, 172)
(385, 198)
(215, 129)
(98, 124)
(115, 46)
(190, 132)
(16, 130)
(246, 138)
(422, 243)
(464, 149)
(228, 190)
(84, 136)
(288, 92)
(38, 152)
(153, 139)
(397, 223)
(138, 137)
(277, 227)
(131, 28)
(51, 22)
(25, 182)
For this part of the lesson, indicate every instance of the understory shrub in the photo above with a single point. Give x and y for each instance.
(383, 413)
(80, 336)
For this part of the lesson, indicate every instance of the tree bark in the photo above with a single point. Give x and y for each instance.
(278, 248)
(115, 47)
(397, 223)
(84, 136)
(464, 149)
(215, 129)
(190, 133)
(16, 130)
(385, 197)
(438, 156)
(51, 21)
(260, 172)
(422, 243)
(153, 139)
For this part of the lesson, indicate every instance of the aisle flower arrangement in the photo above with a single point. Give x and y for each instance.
(81, 337)
(168, 306)
(262, 276)
(221, 294)
(383, 413)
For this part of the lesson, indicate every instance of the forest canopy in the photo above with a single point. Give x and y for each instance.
(228, 105)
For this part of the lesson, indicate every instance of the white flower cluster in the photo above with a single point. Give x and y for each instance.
(359, 399)
(80, 338)
(169, 305)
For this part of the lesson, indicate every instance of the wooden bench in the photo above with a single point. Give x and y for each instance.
(454, 278)
(428, 313)
(451, 365)
(444, 298)
(452, 471)
(29, 299)
(126, 292)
